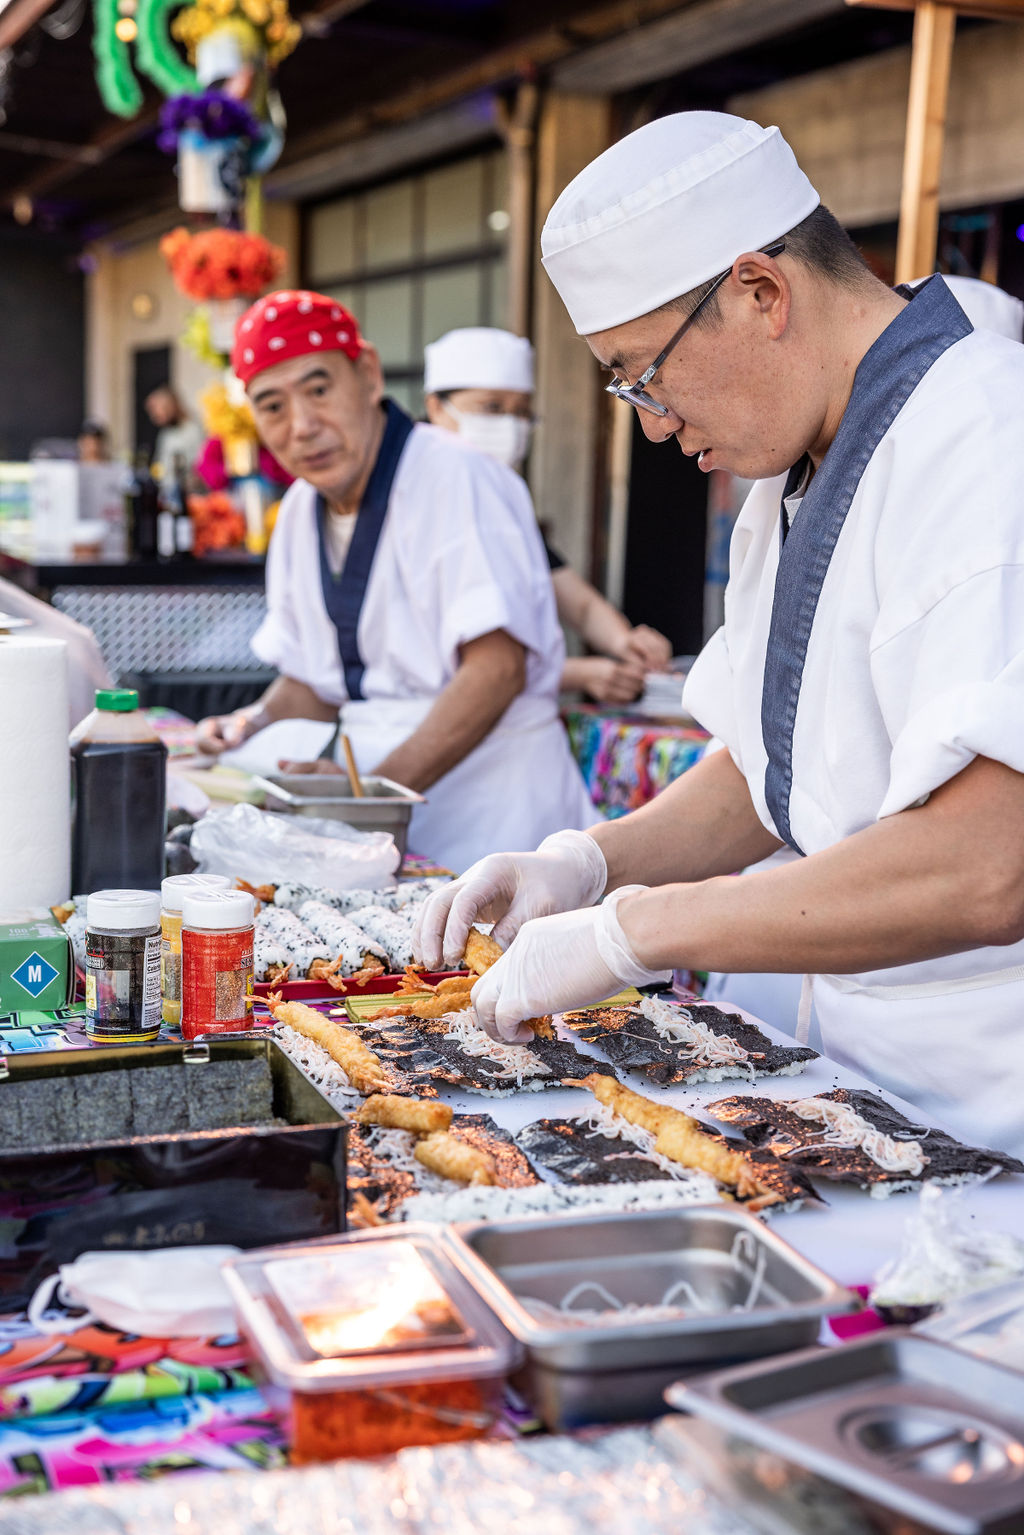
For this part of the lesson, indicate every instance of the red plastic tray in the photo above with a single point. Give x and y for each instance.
(308, 991)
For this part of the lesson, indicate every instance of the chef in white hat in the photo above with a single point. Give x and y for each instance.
(868, 682)
(478, 382)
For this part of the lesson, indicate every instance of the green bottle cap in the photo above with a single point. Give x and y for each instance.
(117, 700)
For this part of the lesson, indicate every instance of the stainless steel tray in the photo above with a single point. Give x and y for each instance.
(606, 1373)
(905, 1422)
(385, 805)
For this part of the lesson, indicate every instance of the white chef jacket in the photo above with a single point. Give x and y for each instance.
(459, 555)
(915, 665)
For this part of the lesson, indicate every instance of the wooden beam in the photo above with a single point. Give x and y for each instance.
(930, 60)
(516, 60)
(706, 29)
(108, 141)
(983, 10)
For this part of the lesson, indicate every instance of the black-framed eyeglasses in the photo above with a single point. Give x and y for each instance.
(636, 394)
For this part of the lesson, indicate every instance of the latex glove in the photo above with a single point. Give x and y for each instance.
(572, 959)
(648, 648)
(566, 871)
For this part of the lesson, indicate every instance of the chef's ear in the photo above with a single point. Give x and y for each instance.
(766, 286)
(368, 364)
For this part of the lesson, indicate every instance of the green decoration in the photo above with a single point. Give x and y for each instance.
(118, 86)
(156, 54)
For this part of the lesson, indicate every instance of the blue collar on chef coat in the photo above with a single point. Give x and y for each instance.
(887, 376)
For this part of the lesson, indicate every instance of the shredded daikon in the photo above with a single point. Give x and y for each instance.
(749, 1258)
(680, 1027)
(845, 1127)
(314, 1062)
(516, 1061)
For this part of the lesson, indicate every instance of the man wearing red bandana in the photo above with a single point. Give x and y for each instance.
(407, 589)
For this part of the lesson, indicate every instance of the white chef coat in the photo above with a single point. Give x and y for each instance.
(459, 555)
(915, 665)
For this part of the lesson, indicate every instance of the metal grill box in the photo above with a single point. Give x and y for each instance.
(159, 1146)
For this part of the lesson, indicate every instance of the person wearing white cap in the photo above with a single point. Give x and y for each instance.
(479, 382)
(868, 682)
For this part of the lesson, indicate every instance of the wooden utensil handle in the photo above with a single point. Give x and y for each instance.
(353, 772)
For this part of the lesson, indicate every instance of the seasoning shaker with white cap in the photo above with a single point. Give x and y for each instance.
(172, 893)
(122, 966)
(217, 928)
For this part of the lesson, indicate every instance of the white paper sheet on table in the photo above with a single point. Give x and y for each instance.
(850, 1237)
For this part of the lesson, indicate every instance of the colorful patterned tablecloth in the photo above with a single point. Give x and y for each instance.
(97, 1405)
(627, 759)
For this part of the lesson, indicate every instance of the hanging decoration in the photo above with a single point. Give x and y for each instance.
(216, 138)
(221, 263)
(260, 27)
(116, 25)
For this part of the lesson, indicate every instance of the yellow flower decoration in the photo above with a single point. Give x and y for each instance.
(224, 420)
(263, 24)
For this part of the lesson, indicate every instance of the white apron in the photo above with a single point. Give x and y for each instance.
(488, 803)
(459, 555)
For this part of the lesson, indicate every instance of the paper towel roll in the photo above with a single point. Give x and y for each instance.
(35, 773)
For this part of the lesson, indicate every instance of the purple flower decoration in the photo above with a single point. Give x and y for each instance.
(211, 113)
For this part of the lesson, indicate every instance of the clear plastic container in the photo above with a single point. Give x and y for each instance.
(373, 1343)
(172, 892)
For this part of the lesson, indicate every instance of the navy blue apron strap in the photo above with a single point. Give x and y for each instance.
(887, 376)
(345, 593)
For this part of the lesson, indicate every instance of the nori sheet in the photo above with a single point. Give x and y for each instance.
(774, 1129)
(372, 1173)
(481, 1132)
(630, 1040)
(573, 1154)
(369, 1173)
(419, 1048)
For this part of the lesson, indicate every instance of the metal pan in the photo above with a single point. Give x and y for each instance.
(903, 1422)
(385, 805)
(756, 1296)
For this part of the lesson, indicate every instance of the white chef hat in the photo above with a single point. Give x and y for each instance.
(478, 357)
(986, 306)
(666, 209)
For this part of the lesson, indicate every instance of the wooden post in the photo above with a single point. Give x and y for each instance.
(517, 128)
(934, 25)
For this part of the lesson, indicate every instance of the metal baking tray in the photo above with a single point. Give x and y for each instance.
(277, 1176)
(906, 1423)
(385, 805)
(608, 1373)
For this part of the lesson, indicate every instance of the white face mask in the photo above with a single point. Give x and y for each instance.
(506, 438)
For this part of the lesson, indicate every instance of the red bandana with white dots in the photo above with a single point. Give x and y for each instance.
(290, 324)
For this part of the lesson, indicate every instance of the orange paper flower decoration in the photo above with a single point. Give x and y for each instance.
(221, 263)
(216, 522)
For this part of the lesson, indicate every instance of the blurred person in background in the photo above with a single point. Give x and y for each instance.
(479, 383)
(178, 436)
(93, 443)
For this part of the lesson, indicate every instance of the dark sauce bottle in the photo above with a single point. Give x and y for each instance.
(118, 768)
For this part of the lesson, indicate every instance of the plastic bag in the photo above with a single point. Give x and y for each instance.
(267, 849)
(174, 1292)
(945, 1254)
